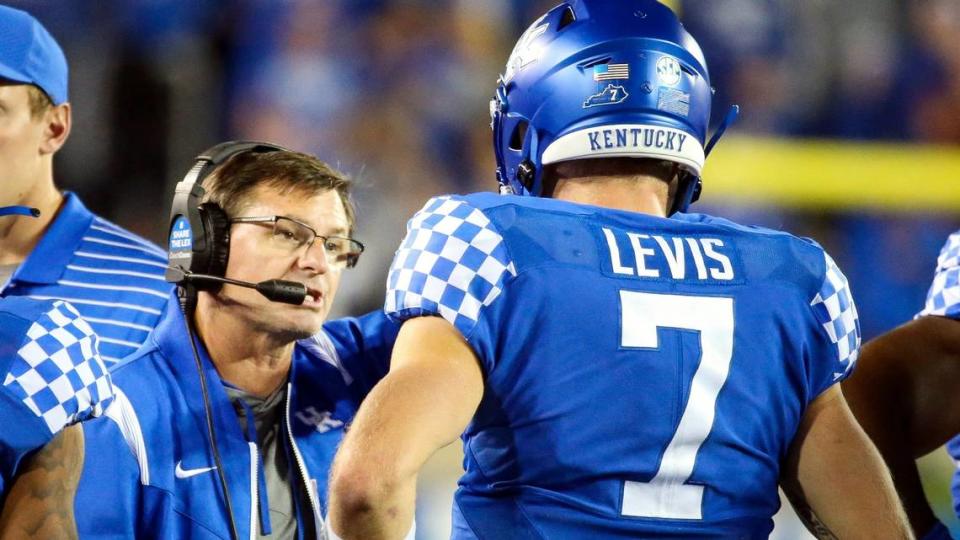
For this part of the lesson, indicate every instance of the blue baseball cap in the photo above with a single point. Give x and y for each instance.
(30, 55)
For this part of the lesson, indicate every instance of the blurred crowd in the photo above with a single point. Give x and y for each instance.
(395, 93)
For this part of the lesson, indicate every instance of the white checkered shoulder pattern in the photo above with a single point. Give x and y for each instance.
(836, 312)
(452, 263)
(58, 373)
(944, 296)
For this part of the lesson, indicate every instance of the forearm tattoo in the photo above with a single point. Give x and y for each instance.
(40, 504)
(815, 526)
(806, 514)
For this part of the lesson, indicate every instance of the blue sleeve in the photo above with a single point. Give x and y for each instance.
(52, 376)
(22, 433)
(453, 264)
(835, 341)
(944, 296)
(108, 503)
(363, 346)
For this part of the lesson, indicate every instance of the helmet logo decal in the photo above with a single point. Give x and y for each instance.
(668, 70)
(673, 101)
(610, 95)
(611, 72)
(526, 52)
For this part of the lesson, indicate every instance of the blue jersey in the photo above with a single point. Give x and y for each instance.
(51, 375)
(944, 300)
(643, 376)
(111, 276)
(944, 296)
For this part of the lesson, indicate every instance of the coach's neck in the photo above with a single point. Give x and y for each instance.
(253, 360)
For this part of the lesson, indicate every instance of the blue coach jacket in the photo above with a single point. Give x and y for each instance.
(149, 471)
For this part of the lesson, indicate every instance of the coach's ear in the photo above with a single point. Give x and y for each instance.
(57, 122)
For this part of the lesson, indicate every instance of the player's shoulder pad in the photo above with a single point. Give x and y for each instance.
(452, 263)
(733, 226)
(803, 263)
(50, 361)
(799, 260)
(944, 296)
(490, 203)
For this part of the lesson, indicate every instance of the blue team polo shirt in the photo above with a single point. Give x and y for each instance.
(113, 277)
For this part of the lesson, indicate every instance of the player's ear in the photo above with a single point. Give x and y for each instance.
(57, 121)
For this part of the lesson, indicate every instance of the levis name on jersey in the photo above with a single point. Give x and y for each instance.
(669, 257)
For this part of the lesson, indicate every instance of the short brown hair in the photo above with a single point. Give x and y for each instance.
(40, 102)
(286, 171)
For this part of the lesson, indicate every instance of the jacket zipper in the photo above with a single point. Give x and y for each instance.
(255, 499)
(311, 494)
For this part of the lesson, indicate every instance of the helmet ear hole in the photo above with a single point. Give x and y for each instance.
(518, 135)
(569, 17)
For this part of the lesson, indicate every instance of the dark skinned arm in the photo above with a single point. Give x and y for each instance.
(905, 393)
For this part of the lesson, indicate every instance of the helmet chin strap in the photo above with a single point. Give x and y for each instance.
(19, 211)
(728, 121)
(688, 190)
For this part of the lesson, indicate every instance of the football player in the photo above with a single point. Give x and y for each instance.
(617, 368)
(52, 376)
(904, 391)
(111, 276)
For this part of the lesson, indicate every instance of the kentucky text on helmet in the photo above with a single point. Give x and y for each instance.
(636, 138)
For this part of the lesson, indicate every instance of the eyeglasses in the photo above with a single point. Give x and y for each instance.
(289, 236)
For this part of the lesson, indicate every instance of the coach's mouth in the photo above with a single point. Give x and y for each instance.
(314, 297)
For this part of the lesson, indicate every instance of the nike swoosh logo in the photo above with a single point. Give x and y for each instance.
(180, 472)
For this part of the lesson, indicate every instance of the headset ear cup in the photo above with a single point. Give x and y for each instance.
(216, 228)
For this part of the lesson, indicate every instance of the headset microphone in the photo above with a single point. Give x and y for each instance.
(276, 290)
(198, 251)
(19, 211)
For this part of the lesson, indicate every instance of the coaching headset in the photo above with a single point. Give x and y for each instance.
(198, 244)
(198, 247)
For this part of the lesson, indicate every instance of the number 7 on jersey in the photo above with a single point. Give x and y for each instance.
(667, 495)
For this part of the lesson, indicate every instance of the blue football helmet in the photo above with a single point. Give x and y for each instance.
(601, 78)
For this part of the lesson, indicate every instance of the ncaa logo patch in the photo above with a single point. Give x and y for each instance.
(668, 70)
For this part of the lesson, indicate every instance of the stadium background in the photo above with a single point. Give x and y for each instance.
(850, 131)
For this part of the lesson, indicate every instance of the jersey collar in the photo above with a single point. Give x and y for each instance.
(49, 259)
